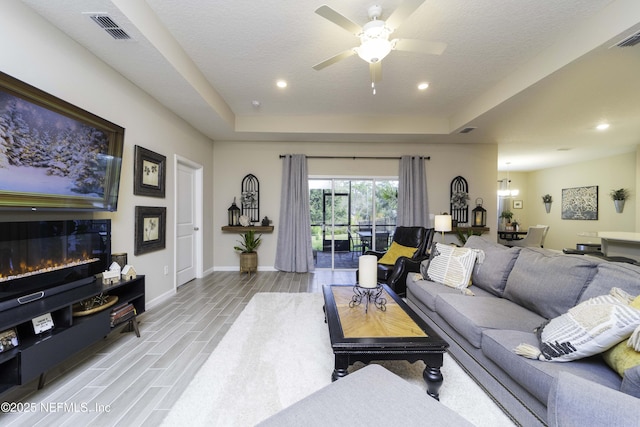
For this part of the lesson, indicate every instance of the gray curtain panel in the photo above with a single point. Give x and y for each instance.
(293, 252)
(413, 207)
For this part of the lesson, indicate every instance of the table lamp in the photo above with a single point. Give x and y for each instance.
(442, 223)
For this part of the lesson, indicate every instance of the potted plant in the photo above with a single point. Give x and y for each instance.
(248, 255)
(547, 200)
(516, 225)
(618, 197)
(507, 215)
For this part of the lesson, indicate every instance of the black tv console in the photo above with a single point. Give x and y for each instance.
(38, 353)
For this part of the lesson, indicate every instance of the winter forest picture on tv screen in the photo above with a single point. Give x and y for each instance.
(53, 159)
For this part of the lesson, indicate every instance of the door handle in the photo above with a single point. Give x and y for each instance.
(196, 228)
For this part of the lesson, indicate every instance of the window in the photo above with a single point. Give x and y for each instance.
(346, 214)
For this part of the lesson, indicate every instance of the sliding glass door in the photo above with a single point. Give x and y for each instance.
(349, 217)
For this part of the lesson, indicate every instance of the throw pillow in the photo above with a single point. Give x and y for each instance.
(394, 252)
(623, 356)
(451, 265)
(589, 328)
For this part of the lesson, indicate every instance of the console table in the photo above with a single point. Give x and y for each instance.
(38, 353)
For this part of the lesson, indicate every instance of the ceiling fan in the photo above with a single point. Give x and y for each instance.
(374, 37)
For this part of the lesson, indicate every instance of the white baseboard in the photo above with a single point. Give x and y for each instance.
(160, 299)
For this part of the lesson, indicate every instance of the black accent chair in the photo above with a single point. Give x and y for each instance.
(395, 276)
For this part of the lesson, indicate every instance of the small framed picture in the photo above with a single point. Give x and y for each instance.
(8, 339)
(149, 173)
(150, 229)
(517, 204)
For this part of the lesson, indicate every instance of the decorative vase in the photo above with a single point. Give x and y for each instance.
(619, 204)
(547, 206)
(248, 262)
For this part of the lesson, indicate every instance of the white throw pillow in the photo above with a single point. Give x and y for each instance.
(589, 328)
(451, 265)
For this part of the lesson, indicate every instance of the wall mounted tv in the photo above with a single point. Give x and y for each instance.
(54, 155)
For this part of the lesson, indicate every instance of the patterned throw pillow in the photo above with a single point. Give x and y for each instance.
(623, 355)
(589, 328)
(451, 265)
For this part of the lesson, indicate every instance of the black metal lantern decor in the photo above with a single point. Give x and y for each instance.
(479, 214)
(234, 213)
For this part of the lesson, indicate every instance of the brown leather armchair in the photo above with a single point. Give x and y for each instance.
(395, 276)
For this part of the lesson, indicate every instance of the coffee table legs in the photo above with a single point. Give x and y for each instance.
(433, 377)
(340, 368)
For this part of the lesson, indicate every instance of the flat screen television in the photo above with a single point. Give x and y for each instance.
(54, 155)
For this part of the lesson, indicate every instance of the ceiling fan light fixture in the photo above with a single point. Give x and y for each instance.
(374, 42)
(374, 50)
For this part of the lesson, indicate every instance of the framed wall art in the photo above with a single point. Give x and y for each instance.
(517, 204)
(580, 203)
(150, 229)
(54, 155)
(149, 173)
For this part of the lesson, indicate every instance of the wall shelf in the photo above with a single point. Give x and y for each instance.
(464, 229)
(240, 229)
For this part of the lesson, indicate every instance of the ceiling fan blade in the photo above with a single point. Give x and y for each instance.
(334, 59)
(402, 12)
(338, 19)
(376, 72)
(420, 46)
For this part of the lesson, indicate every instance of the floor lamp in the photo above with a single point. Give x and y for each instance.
(442, 223)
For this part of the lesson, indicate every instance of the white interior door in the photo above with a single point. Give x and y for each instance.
(187, 223)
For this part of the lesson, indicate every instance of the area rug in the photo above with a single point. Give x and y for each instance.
(278, 351)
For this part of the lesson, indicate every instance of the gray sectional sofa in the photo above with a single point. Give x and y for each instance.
(516, 290)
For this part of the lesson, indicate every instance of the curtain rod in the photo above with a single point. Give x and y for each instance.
(358, 157)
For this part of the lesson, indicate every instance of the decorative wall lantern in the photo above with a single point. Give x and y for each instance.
(234, 213)
(479, 214)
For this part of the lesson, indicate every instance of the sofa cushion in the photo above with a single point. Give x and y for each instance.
(573, 401)
(609, 274)
(589, 328)
(470, 316)
(631, 382)
(426, 291)
(491, 272)
(396, 250)
(547, 282)
(536, 376)
(450, 265)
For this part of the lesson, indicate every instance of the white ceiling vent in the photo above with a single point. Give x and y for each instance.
(467, 129)
(106, 23)
(632, 40)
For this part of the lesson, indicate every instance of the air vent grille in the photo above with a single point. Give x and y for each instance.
(632, 40)
(114, 30)
(467, 129)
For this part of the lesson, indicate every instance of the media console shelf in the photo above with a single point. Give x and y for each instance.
(38, 353)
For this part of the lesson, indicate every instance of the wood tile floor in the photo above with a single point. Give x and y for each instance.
(129, 381)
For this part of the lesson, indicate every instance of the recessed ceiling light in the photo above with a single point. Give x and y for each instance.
(423, 85)
(281, 84)
(255, 103)
(603, 126)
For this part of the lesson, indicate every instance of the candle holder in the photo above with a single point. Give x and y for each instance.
(368, 295)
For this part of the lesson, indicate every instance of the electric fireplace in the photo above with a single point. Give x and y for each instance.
(46, 257)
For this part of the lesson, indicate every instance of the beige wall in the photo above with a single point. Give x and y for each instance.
(37, 53)
(607, 173)
(233, 160)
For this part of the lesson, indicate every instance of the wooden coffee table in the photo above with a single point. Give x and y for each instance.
(397, 333)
